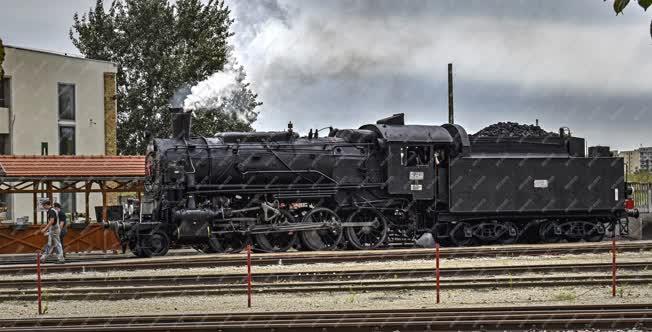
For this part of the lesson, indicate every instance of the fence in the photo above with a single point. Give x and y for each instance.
(642, 196)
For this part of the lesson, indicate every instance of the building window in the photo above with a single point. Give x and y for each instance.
(66, 102)
(66, 140)
(5, 199)
(5, 146)
(4, 92)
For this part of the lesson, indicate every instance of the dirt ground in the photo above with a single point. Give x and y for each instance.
(344, 300)
(332, 301)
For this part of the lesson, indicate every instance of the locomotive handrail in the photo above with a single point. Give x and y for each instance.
(294, 171)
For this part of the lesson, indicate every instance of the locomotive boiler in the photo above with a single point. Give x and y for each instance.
(364, 188)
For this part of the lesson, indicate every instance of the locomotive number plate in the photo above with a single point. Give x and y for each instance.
(540, 183)
(416, 187)
(416, 176)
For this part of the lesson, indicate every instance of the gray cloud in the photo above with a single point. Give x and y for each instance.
(348, 62)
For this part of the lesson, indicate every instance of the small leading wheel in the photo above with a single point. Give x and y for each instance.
(462, 235)
(322, 239)
(277, 241)
(367, 237)
(154, 244)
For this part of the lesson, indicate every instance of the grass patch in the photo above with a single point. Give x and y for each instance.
(565, 296)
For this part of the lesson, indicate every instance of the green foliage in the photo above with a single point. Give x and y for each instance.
(645, 3)
(619, 5)
(160, 47)
(2, 58)
(640, 177)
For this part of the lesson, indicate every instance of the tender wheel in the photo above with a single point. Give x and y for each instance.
(367, 237)
(459, 235)
(530, 233)
(596, 234)
(507, 233)
(547, 233)
(323, 239)
(277, 241)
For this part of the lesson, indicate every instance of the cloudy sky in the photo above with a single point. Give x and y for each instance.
(349, 62)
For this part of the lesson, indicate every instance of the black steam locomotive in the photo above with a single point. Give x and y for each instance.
(364, 188)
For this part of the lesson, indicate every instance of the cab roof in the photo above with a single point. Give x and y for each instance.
(411, 133)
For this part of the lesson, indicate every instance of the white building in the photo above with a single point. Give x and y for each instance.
(52, 103)
(646, 158)
(632, 160)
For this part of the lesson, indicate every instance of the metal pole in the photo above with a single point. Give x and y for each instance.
(248, 276)
(437, 268)
(450, 93)
(613, 266)
(104, 203)
(38, 281)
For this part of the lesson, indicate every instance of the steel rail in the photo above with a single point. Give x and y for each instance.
(129, 291)
(479, 273)
(215, 260)
(461, 318)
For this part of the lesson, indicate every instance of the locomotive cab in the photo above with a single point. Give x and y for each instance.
(414, 155)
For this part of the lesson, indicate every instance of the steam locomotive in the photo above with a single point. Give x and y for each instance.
(364, 188)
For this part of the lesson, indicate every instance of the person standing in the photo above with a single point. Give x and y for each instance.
(62, 224)
(53, 230)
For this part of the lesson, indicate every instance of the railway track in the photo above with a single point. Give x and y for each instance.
(217, 260)
(116, 288)
(620, 316)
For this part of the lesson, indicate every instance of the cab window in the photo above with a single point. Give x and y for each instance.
(415, 155)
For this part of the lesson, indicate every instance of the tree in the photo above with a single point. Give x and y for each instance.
(640, 177)
(160, 47)
(619, 6)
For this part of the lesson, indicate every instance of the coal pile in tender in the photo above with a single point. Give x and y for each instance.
(513, 129)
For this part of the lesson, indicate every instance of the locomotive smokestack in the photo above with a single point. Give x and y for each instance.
(450, 94)
(181, 122)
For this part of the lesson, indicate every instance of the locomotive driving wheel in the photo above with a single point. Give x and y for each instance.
(322, 239)
(367, 237)
(277, 241)
(229, 243)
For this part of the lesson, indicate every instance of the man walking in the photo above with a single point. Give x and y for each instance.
(53, 230)
(62, 224)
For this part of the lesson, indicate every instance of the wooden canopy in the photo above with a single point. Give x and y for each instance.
(71, 174)
(71, 167)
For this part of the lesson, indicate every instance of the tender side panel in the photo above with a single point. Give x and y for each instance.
(535, 185)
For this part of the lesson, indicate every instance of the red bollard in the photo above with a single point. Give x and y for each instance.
(248, 276)
(437, 268)
(38, 281)
(613, 267)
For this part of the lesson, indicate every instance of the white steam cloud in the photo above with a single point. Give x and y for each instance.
(213, 92)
